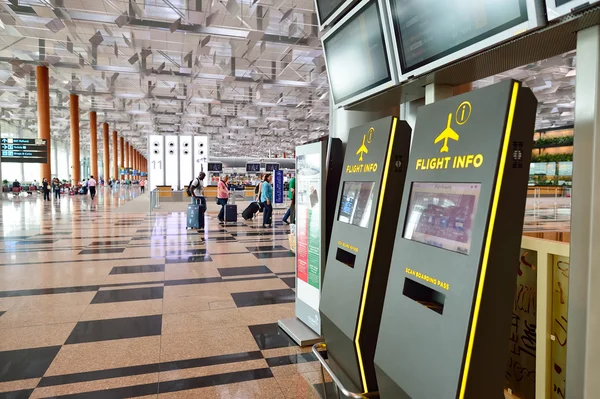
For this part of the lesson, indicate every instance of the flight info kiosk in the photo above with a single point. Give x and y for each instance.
(447, 310)
(361, 246)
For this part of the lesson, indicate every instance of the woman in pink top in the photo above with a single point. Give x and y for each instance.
(222, 196)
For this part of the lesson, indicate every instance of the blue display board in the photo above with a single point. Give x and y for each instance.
(278, 187)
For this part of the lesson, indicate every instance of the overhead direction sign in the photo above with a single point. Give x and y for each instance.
(24, 150)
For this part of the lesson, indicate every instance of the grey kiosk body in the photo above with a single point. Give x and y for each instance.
(361, 247)
(447, 311)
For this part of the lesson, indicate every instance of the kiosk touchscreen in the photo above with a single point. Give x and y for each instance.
(448, 302)
(359, 255)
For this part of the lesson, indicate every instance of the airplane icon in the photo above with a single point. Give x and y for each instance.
(448, 133)
(362, 149)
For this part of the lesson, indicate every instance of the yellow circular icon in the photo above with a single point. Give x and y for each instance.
(463, 112)
(370, 135)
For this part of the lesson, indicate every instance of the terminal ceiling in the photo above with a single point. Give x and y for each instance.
(250, 74)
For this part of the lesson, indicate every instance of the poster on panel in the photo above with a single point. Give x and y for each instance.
(172, 161)
(186, 161)
(309, 225)
(156, 166)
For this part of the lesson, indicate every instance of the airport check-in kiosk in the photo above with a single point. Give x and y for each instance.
(447, 311)
(361, 247)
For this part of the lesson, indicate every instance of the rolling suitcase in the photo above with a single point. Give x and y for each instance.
(195, 215)
(250, 211)
(230, 213)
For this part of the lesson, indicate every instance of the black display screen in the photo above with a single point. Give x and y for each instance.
(356, 55)
(252, 167)
(271, 167)
(356, 203)
(427, 30)
(562, 2)
(215, 167)
(326, 8)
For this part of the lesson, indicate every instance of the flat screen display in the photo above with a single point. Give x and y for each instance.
(271, 167)
(427, 30)
(215, 167)
(356, 55)
(442, 214)
(252, 167)
(356, 203)
(326, 8)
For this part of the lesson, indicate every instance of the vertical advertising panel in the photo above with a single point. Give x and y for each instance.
(278, 187)
(520, 371)
(200, 154)
(560, 304)
(309, 224)
(172, 161)
(186, 161)
(156, 166)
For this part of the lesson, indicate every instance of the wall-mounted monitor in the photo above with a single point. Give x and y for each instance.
(271, 167)
(358, 54)
(215, 167)
(429, 34)
(559, 8)
(328, 11)
(253, 167)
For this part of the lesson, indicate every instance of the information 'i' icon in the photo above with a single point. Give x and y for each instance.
(463, 112)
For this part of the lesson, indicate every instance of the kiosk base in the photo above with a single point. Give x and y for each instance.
(299, 332)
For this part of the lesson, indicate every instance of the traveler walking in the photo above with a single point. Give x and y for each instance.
(222, 196)
(92, 187)
(46, 189)
(266, 197)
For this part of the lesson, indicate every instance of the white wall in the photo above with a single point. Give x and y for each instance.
(156, 161)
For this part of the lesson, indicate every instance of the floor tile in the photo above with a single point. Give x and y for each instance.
(138, 269)
(34, 336)
(115, 242)
(271, 255)
(134, 294)
(26, 363)
(103, 355)
(267, 314)
(257, 298)
(212, 380)
(115, 310)
(244, 270)
(104, 330)
(262, 248)
(269, 336)
(198, 321)
(98, 251)
(290, 281)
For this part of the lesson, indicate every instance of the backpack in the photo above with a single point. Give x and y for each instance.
(189, 188)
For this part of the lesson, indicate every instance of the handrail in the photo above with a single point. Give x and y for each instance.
(324, 365)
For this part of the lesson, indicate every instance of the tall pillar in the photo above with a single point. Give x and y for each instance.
(115, 152)
(94, 144)
(583, 347)
(122, 153)
(127, 159)
(131, 159)
(106, 153)
(75, 158)
(43, 110)
(136, 164)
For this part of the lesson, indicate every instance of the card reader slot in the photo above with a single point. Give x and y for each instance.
(424, 295)
(345, 257)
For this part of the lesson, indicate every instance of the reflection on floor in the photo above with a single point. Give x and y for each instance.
(100, 304)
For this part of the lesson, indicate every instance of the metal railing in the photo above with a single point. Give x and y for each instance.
(339, 387)
(154, 200)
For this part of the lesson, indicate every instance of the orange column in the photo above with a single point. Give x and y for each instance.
(131, 160)
(115, 152)
(43, 110)
(136, 165)
(126, 159)
(75, 167)
(94, 144)
(122, 154)
(106, 153)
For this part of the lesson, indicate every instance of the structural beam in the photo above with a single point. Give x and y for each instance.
(43, 104)
(106, 153)
(75, 158)
(94, 144)
(115, 151)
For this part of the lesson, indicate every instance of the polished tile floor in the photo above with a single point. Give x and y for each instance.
(100, 304)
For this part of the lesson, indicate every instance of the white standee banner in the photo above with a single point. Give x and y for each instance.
(200, 155)
(172, 161)
(156, 161)
(186, 160)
